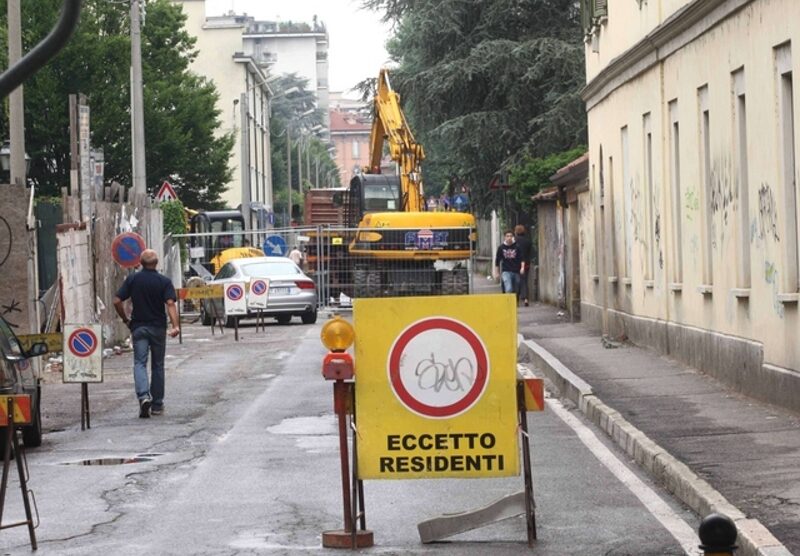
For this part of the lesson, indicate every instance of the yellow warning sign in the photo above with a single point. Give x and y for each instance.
(436, 387)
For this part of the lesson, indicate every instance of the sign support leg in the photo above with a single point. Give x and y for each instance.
(13, 442)
(530, 506)
(348, 537)
(180, 329)
(236, 328)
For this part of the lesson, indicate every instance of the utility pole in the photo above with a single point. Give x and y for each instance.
(137, 105)
(299, 165)
(289, 173)
(16, 104)
(246, 185)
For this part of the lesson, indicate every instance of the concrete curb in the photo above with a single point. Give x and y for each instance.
(754, 539)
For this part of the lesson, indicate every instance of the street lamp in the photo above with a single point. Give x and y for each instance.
(5, 158)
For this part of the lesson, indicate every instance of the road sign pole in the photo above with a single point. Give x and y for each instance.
(86, 422)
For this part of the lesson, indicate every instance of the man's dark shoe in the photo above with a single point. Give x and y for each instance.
(144, 409)
(157, 410)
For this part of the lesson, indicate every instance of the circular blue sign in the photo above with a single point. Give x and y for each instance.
(82, 342)
(259, 287)
(126, 249)
(235, 293)
(275, 246)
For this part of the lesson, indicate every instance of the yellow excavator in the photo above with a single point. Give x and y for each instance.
(400, 248)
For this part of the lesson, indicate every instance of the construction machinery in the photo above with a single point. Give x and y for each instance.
(399, 248)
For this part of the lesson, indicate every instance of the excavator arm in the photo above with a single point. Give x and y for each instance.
(389, 125)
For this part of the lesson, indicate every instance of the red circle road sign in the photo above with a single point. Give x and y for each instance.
(127, 248)
(82, 342)
(235, 292)
(258, 287)
(438, 367)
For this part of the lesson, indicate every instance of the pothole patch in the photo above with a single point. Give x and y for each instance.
(140, 458)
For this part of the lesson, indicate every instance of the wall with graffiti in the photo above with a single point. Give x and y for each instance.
(721, 124)
(15, 248)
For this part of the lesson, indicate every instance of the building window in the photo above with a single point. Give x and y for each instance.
(611, 245)
(783, 66)
(355, 147)
(649, 201)
(675, 185)
(627, 201)
(740, 134)
(705, 157)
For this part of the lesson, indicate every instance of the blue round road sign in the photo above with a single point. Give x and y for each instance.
(235, 293)
(126, 249)
(82, 342)
(275, 246)
(258, 287)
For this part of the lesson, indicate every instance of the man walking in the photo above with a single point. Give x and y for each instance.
(149, 292)
(508, 263)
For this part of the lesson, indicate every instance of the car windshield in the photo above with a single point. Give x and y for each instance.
(8, 342)
(267, 269)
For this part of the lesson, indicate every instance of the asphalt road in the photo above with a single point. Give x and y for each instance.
(245, 461)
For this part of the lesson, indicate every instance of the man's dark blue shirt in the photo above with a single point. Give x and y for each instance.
(149, 291)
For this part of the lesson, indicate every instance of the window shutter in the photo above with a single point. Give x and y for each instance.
(587, 14)
(600, 8)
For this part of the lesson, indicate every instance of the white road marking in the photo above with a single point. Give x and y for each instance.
(671, 521)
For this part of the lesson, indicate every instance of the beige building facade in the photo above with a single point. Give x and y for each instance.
(243, 102)
(689, 230)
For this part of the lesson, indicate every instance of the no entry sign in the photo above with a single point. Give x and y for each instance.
(259, 293)
(83, 353)
(436, 387)
(444, 385)
(126, 249)
(235, 302)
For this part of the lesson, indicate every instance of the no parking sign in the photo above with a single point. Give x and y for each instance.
(235, 301)
(83, 353)
(259, 293)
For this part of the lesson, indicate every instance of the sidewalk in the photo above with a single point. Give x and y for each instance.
(714, 449)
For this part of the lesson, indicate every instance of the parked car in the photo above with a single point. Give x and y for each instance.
(17, 377)
(291, 292)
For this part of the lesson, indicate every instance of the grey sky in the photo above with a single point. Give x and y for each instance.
(357, 37)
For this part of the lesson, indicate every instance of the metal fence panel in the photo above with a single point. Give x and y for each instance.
(348, 263)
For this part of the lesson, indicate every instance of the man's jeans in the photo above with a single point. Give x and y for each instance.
(510, 281)
(150, 339)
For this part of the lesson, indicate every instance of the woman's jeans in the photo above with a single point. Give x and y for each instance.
(152, 340)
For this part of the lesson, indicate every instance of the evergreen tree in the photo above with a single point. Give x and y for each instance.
(486, 83)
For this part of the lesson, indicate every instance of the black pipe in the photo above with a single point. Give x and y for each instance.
(29, 64)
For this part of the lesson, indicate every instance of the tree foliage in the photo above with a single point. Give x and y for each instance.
(181, 119)
(531, 175)
(295, 117)
(487, 83)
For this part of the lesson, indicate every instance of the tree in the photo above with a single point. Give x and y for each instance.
(294, 115)
(486, 83)
(181, 120)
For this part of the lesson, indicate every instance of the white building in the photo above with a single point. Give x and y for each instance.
(287, 47)
(243, 104)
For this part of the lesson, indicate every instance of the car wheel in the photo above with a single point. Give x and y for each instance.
(205, 318)
(32, 434)
(283, 319)
(309, 317)
(360, 283)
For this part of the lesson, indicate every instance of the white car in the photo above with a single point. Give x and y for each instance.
(291, 292)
